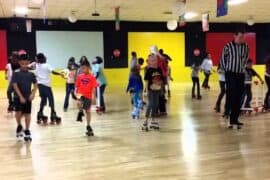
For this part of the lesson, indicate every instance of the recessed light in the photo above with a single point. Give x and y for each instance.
(21, 10)
(190, 15)
(236, 2)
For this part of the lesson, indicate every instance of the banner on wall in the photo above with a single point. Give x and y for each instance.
(117, 18)
(205, 22)
(222, 8)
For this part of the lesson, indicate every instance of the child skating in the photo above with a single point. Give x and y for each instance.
(70, 76)
(85, 88)
(11, 67)
(43, 72)
(195, 80)
(22, 81)
(154, 85)
(136, 83)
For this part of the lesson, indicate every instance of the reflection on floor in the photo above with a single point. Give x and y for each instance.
(193, 143)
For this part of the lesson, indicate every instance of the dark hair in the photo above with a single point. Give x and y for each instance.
(71, 60)
(140, 61)
(41, 58)
(161, 51)
(134, 53)
(85, 63)
(239, 30)
(99, 60)
(83, 58)
(23, 57)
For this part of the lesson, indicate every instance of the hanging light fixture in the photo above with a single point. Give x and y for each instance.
(72, 17)
(172, 25)
(250, 21)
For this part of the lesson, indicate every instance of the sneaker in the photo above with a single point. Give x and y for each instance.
(19, 131)
(193, 96)
(89, 131)
(239, 124)
(80, 116)
(199, 97)
(27, 136)
(145, 126)
(65, 110)
(154, 125)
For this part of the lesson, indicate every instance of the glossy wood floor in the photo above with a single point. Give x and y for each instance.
(193, 143)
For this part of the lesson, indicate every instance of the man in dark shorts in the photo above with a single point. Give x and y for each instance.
(22, 81)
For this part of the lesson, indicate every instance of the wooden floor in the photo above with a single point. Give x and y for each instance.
(193, 143)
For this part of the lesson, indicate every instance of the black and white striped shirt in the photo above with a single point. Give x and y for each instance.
(234, 57)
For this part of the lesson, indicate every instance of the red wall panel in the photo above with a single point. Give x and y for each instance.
(215, 43)
(3, 49)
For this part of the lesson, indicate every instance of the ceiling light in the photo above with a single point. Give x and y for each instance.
(190, 15)
(72, 17)
(21, 10)
(250, 21)
(172, 25)
(236, 2)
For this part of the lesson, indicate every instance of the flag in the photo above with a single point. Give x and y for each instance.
(222, 8)
(44, 8)
(205, 22)
(182, 21)
(117, 18)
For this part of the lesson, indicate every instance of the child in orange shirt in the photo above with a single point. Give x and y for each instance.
(86, 85)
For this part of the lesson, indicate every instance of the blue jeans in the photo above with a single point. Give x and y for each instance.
(70, 88)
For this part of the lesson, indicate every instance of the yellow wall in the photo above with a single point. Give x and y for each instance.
(173, 45)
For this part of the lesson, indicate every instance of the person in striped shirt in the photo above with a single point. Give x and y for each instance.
(234, 58)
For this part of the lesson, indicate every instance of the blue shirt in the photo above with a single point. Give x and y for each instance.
(135, 82)
(98, 73)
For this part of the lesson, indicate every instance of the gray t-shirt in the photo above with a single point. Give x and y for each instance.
(24, 80)
(195, 70)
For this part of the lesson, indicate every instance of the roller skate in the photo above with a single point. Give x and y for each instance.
(19, 132)
(154, 125)
(80, 116)
(41, 119)
(145, 126)
(55, 118)
(135, 113)
(27, 137)
(89, 131)
(100, 110)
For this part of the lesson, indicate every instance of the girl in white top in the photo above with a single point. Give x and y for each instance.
(222, 85)
(207, 67)
(43, 73)
(70, 76)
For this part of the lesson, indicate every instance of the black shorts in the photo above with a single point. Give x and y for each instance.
(86, 103)
(24, 108)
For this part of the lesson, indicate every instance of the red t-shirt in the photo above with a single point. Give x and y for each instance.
(162, 65)
(85, 84)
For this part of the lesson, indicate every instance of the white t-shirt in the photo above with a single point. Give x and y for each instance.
(207, 65)
(9, 72)
(43, 73)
